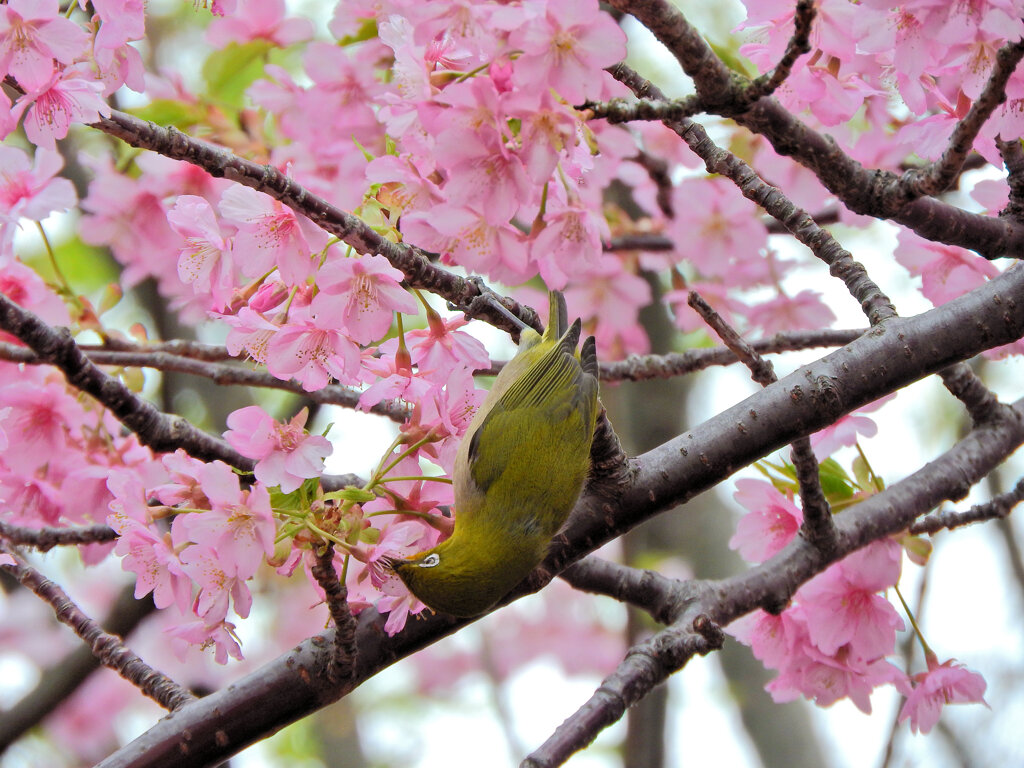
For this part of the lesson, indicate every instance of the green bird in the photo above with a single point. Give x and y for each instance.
(518, 473)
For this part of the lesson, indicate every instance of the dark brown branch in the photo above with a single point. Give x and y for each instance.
(661, 597)
(1013, 160)
(107, 648)
(45, 539)
(798, 45)
(157, 430)
(899, 351)
(995, 509)
(874, 303)
(221, 163)
(940, 175)
(221, 373)
(343, 662)
(865, 191)
(817, 526)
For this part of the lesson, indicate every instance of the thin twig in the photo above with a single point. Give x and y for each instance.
(818, 525)
(221, 373)
(45, 539)
(798, 45)
(343, 662)
(938, 177)
(998, 507)
(643, 367)
(108, 648)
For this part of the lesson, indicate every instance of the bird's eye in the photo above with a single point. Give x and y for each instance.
(429, 561)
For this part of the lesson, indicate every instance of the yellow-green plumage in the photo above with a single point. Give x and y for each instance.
(518, 473)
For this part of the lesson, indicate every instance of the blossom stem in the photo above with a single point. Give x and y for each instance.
(928, 652)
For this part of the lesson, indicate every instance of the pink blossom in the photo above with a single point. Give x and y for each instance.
(440, 348)
(123, 20)
(206, 262)
(239, 524)
(611, 296)
(67, 97)
(25, 287)
(399, 539)
(220, 634)
(942, 684)
(773, 520)
(312, 351)
(251, 332)
(826, 680)
(787, 313)
(395, 380)
(285, 455)
(145, 552)
(262, 20)
(548, 128)
(403, 186)
(569, 243)
(219, 581)
(718, 294)
(566, 48)
(31, 190)
(361, 295)
(465, 237)
(32, 34)
(42, 423)
(946, 271)
(723, 236)
(483, 172)
(445, 413)
(846, 430)
(271, 235)
(842, 613)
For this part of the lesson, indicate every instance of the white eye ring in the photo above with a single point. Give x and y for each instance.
(429, 561)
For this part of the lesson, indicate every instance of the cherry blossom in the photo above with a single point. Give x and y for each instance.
(32, 34)
(942, 684)
(285, 455)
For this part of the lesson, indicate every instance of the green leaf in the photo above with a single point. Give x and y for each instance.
(367, 31)
(370, 535)
(835, 482)
(351, 493)
(229, 71)
(169, 112)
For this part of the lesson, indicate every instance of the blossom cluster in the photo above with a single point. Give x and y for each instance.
(461, 128)
(835, 638)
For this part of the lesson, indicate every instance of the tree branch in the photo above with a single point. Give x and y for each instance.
(869, 192)
(154, 428)
(107, 648)
(890, 356)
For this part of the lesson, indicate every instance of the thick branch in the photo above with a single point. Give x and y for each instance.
(154, 429)
(890, 356)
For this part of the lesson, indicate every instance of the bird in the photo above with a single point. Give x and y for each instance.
(518, 473)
